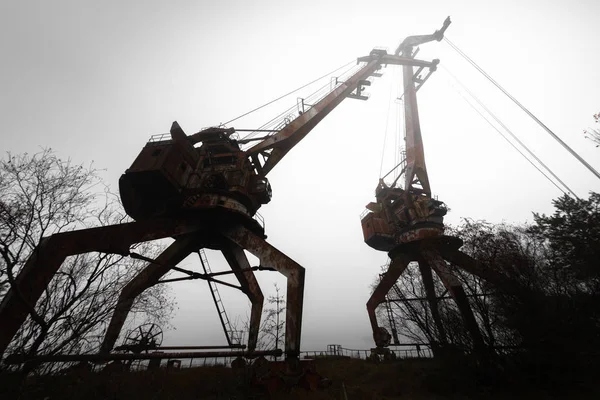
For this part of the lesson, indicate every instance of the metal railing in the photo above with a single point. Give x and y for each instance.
(260, 219)
(416, 351)
(160, 138)
(364, 213)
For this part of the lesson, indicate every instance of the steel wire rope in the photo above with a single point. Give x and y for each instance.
(317, 96)
(397, 133)
(289, 93)
(277, 119)
(509, 131)
(529, 113)
(272, 122)
(387, 120)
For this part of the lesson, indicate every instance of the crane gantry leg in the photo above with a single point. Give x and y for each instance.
(432, 255)
(48, 256)
(389, 278)
(270, 257)
(456, 290)
(432, 300)
(238, 262)
(148, 277)
(191, 234)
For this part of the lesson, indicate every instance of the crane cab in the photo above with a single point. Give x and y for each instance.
(400, 217)
(171, 176)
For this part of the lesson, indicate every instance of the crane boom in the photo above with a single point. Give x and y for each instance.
(276, 146)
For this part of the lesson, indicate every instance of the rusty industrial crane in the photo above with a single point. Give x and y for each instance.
(407, 222)
(203, 190)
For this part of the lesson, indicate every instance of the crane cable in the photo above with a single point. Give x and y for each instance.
(540, 123)
(387, 120)
(504, 136)
(277, 119)
(287, 94)
(511, 134)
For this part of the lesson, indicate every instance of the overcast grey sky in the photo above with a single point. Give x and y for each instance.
(94, 79)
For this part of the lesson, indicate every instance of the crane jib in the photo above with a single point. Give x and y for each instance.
(284, 140)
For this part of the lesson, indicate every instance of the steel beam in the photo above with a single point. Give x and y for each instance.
(48, 256)
(432, 299)
(19, 359)
(238, 262)
(415, 156)
(456, 290)
(225, 346)
(469, 264)
(148, 277)
(271, 257)
(389, 278)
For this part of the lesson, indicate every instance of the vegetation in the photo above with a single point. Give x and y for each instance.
(545, 328)
(352, 379)
(551, 317)
(271, 333)
(43, 195)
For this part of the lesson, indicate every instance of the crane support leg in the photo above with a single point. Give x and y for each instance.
(469, 264)
(432, 300)
(146, 278)
(397, 266)
(238, 261)
(48, 256)
(270, 257)
(438, 264)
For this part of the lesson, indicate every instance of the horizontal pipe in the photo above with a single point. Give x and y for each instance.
(407, 299)
(225, 346)
(257, 130)
(20, 359)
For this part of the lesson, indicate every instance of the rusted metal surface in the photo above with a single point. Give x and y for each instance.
(270, 257)
(411, 41)
(225, 346)
(238, 262)
(415, 156)
(477, 268)
(52, 251)
(432, 299)
(415, 219)
(389, 278)
(456, 290)
(149, 276)
(19, 359)
(283, 141)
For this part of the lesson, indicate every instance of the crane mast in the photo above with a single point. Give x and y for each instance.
(407, 223)
(401, 215)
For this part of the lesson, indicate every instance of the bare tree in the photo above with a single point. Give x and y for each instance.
(272, 332)
(510, 250)
(43, 195)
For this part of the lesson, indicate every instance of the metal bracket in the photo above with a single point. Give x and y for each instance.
(359, 91)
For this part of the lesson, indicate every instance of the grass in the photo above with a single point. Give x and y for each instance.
(403, 379)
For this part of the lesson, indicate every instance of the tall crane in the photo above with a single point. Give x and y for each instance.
(407, 222)
(204, 191)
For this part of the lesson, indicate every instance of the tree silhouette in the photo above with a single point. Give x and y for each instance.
(42, 195)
